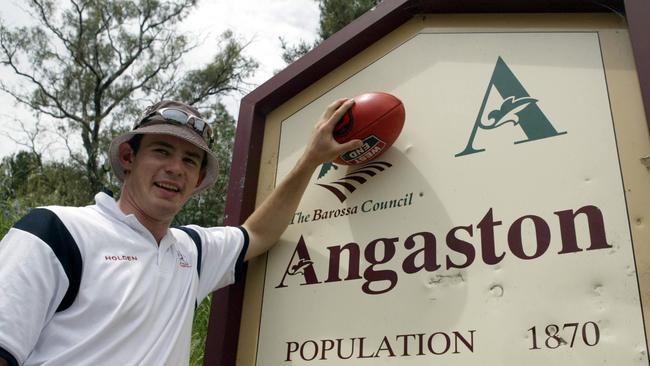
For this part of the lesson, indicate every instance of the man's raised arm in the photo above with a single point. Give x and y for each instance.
(271, 219)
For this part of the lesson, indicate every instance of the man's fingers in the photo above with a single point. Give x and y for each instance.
(349, 146)
(334, 106)
(331, 121)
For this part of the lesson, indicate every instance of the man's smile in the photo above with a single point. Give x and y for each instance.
(167, 186)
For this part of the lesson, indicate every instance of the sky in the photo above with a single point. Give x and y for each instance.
(259, 22)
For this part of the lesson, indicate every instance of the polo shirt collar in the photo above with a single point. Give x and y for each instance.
(107, 204)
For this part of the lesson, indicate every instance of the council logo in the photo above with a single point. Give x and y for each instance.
(349, 183)
(517, 110)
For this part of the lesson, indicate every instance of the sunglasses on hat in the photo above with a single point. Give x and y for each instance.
(181, 117)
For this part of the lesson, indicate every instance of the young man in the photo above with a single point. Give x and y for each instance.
(112, 283)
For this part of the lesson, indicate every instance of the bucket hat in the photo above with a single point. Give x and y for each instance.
(166, 118)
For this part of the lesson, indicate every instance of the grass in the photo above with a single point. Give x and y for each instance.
(200, 332)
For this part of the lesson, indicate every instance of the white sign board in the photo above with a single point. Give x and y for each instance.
(494, 231)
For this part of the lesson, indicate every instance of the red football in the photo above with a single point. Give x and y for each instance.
(376, 119)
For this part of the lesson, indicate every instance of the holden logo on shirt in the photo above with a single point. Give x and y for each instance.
(181, 260)
(120, 258)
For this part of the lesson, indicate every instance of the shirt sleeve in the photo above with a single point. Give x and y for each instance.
(33, 284)
(223, 254)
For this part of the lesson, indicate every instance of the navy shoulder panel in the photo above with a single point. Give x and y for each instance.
(46, 225)
(199, 246)
(240, 267)
(11, 360)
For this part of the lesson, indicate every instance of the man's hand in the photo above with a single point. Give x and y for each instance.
(323, 147)
(270, 220)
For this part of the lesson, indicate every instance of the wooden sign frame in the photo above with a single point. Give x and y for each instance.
(225, 319)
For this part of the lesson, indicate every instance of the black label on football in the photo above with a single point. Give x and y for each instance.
(371, 147)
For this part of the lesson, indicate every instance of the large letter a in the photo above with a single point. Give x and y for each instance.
(518, 108)
(303, 266)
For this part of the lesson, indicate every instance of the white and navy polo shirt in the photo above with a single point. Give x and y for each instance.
(90, 286)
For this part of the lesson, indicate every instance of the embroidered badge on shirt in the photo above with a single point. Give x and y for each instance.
(181, 260)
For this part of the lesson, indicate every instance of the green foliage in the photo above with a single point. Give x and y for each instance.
(86, 67)
(226, 73)
(291, 53)
(200, 331)
(27, 182)
(334, 15)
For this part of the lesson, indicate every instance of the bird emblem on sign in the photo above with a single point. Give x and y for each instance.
(507, 112)
(299, 267)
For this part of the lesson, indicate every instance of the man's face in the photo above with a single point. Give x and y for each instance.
(162, 177)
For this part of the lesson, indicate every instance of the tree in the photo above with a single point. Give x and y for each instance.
(89, 66)
(26, 181)
(334, 15)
